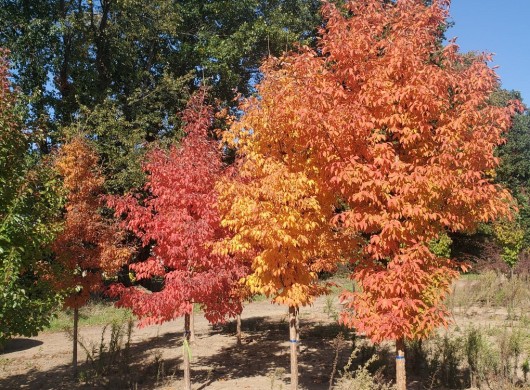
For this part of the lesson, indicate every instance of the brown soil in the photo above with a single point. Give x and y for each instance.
(154, 358)
(155, 355)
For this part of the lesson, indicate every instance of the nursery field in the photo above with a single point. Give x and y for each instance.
(258, 194)
(487, 344)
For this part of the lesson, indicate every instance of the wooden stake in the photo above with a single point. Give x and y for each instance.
(238, 328)
(186, 353)
(293, 338)
(401, 376)
(192, 325)
(74, 349)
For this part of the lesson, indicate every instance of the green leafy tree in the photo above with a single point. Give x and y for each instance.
(29, 205)
(509, 236)
(122, 68)
(514, 170)
(441, 246)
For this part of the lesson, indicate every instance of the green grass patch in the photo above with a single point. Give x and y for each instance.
(339, 284)
(259, 298)
(94, 313)
(470, 276)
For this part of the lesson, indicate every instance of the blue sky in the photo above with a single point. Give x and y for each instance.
(499, 27)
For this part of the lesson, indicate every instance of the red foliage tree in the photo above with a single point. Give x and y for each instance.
(179, 219)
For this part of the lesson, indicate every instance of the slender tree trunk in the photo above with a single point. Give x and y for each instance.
(186, 353)
(192, 325)
(401, 376)
(74, 346)
(293, 338)
(238, 328)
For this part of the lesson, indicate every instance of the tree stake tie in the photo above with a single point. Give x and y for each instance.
(293, 341)
(186, 349)
(400, 357)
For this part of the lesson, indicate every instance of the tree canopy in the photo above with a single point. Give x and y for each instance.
(178, 220)
(514, 169)
(89, 245)
(122, 69)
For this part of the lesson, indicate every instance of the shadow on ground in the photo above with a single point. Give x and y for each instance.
(21, 344)
(264, 352)
(133, 368)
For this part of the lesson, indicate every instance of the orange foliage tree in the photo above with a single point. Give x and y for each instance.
(89, 245)
(398, 129)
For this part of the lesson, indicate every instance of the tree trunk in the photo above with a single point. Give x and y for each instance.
(186, 353)
(74, 349)
(401, 376)
(192, 325)
(293, 338)
(238, 328)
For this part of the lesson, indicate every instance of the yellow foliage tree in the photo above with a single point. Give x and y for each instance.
(279, 219)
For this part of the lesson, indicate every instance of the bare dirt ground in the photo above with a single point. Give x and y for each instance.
(155, 353)
(153, 359)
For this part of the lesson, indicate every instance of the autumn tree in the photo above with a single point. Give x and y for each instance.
(30, 204)
(279, 220)
(511, 236)
(89, 245)
(177, 219)
(400, 130)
